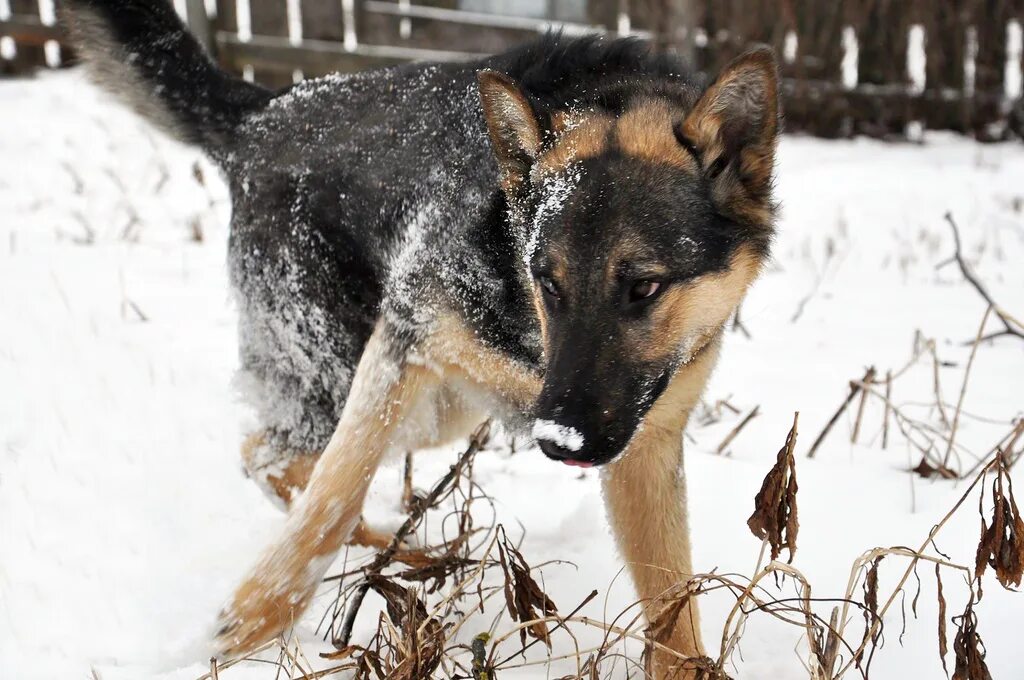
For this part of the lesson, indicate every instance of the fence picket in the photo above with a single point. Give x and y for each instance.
(29, 45)
(270, 18)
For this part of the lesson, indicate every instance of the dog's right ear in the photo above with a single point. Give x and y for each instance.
(513, 127)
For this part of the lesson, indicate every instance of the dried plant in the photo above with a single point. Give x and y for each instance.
(969, 649)
(775, 513)
(417, 635)
(524, 599)
(1002, 538)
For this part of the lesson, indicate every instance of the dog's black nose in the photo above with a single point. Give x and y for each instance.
(563, 455)
(554, 451)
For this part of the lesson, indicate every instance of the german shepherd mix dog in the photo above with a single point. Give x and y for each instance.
(555, 235)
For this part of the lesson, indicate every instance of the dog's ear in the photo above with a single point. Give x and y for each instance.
(733, 128)
(512, 125)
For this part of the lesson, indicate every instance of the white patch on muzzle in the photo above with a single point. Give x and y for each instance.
(564, 436)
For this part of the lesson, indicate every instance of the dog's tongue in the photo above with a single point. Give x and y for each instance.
(578, 463)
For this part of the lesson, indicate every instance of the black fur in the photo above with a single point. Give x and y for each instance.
(145, 41)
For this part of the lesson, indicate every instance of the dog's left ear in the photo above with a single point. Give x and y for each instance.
(512, 125)
(733, 128)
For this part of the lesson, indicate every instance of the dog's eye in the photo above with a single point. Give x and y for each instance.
(644, 290)
(549, 286)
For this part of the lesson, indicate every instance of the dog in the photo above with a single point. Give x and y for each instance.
(555, 236)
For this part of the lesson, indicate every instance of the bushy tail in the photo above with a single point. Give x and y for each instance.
(141, 51)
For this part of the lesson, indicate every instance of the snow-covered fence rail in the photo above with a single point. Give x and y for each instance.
(875, 67)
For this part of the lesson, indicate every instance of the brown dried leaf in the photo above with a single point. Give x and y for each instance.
(418, 655)
(969, 649)
(663, 623)
(927, 470)
(871, 587)
(523, 596)
(942, 621)
(775, 510)
(438, 568)
(1002, 541)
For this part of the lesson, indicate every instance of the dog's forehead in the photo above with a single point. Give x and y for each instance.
(617, 213)
(645, 131)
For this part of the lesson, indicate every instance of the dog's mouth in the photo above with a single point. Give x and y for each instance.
(560, 455)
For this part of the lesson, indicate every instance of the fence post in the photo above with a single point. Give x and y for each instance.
(227, 22)
(322, 21)
(270, 18)
(29, 56)
(604, 13)
(672, 24)
(989, 69)
(199, 24)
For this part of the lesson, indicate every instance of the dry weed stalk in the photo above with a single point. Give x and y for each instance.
(736, 430)
(855, 388)
(941, 453)
(1011, 325)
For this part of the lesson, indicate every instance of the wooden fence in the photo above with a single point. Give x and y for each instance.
(875, 67)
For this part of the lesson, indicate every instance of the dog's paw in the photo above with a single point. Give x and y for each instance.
(267, 603)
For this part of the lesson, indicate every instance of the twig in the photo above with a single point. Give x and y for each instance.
(939, 402)
(908, 425)
(736, 430)
(963, 387)
(854, 389)
(737, 325)
(384, 557)
(407, 493)
(1011, 325)
(814, 290)
(888, 410)
(1006, 444)
(869, 378)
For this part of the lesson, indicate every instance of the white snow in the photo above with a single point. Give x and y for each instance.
(554, 192)
(567, 437)
(125, 519)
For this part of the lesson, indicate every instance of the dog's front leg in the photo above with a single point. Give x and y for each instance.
(276, 591)
(645, 494)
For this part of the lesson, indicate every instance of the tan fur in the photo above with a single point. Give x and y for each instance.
(645, 495)
(282, 583)
(512, 127)
(288, 473)
(585, 137)
(645, 132)
(382, 412)
(688, 314)
(740, 193)
(460, 355)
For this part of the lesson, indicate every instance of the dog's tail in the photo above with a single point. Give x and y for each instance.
(141, 51)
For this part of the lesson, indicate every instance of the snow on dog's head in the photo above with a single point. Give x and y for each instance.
(642, 213)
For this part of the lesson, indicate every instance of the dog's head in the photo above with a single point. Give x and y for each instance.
(640, 230)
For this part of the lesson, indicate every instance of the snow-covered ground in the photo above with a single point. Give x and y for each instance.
(125, 519)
